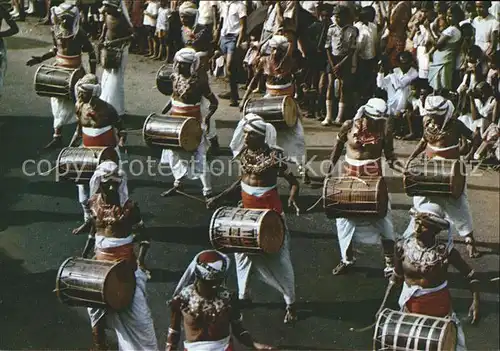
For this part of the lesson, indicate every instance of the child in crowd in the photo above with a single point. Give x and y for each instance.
(164, 12)
(150, 17)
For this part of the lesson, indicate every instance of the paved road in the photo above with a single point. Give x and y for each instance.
(37, 215)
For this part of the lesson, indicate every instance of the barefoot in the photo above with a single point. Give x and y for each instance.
(342, 268)
(471, 248)
(290, 315)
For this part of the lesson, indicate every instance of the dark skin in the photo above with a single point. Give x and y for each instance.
(116, 30)
(108, 193)
(13, 28)
(426, 238)
(93, 112)
(254, 141)
(218, 330)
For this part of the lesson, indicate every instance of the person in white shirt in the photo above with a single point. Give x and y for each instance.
(150, 16)
(397, 84)
(161, 30)
(367, 51)
(232, 34)
(311, 7)
(207, 15)
(486, 27)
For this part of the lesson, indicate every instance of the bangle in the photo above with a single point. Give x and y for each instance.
(172, 331)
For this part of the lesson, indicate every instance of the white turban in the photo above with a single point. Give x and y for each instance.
(438, 105)
(252, 123)
(65, 9)
(106, 171)
(121, 7)
(279, 42)
(188, 9)
(187, 55)
(207, 265)
(375, 108)
(88, 83)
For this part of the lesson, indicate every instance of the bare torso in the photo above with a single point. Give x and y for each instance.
(116, 27)
(100, 115)
(362, 144)
(189, 90)
(72, 46)
(112, 220)
(261, 168)
(449, 136)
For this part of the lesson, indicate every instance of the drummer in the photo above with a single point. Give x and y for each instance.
(117, 34)
(99, 123)
(262, 163)
(441, 140)
(209, 310)
(365, 138)
(279, 69)
(199, 37)
(69, 43)
(113, 218)
(422, 265)
(188, 90)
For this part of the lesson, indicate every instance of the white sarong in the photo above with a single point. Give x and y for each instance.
(275, 269)
(205, 104)
(63, 111)
(134, 326)
(456, 210)
(113, 84)
(218, 345)
(409, 291)
(190, 165)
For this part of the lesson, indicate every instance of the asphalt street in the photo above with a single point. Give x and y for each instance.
(37, 215)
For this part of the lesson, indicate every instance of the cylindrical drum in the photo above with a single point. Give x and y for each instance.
(111, 58)
(172, 132)
(78, 164)
(440, 177)
(234, 229)
(355, 196)
(407, 331)
(55, 81)
(91, 283)
(163, 80)
(279, 110)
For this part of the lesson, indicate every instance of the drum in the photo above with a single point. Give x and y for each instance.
(352, 196)
(435, 177)
(172, 132)
(111, 58)
(163, 80)
(78, 164)
(235, 229)
(407, 331)
(91, 283)
(54, 81)
(279, 110)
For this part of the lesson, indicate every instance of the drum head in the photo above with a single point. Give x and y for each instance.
(457, 179)
(190, 134)
(119, 286)
(290, 110)
(272, 232)
(382, 196)
(59, 288)
(449, 337)
(107, 154)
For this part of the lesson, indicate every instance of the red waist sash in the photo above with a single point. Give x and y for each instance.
(120, 253)
(186, 111)
(453, 153)
(436, 304)
(371, 169)
(107, 138)
(270, 201)
(289, 91)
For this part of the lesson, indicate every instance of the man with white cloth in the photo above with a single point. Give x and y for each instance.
(114, 216)
(210, 311)
(69, 43)
(98, 124)
(262, 162)
(115, 39)
(441, 140)
(189, 88)
(366, 137)
(422, 267)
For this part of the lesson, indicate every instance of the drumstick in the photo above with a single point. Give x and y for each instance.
(386, 296)
(190, 196)
(49, 171)
(315, 204)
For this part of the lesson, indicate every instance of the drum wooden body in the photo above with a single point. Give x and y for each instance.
(172, 132)
(111, 58)
(78, 164)
(407, 331)
(163, 80)
(234, 229)
(54, 81)
(279, 110)
(91, 283)
(435, 177)
(352, 197)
